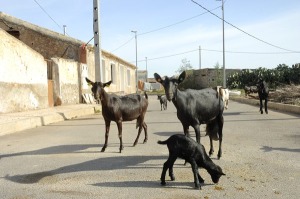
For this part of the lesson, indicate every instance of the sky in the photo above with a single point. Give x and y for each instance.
(257, 33)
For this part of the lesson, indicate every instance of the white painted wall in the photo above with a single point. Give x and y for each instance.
(23, 76)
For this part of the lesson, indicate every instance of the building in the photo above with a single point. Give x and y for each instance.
(41, 68)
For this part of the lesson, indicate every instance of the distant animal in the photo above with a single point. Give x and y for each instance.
(186, 148)
(120, 108)
(163, 102)
(224, 92)
(196, 107)
(250, 89)
(263, 93)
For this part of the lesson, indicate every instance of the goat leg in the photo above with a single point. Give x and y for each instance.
(266, 105)
(201, 180)
(168, 165)
(221, 123)
(138, 136)
(146, 133)
(261, 106)
(211, 151)
(196, 174)
(119, 124)
(107, 126)
(197, 131)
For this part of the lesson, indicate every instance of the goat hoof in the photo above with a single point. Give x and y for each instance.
(172, 177)
(198, 187)
(103, 149)
(134, 144)
(163, 183)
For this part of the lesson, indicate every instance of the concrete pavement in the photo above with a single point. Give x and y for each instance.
(18, 121)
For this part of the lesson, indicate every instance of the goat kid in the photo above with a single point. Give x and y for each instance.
(186, 148)
(120, 108)
(196, 107)
(163, 102)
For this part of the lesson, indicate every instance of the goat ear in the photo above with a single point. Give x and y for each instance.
(158, 78)
(89, 81)
(181, 77)
(107, 84)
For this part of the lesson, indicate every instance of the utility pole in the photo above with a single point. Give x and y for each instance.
(146, 70)
(136, 76)
(65, 29)
(224, 73)
(97, 43)
(199, 57)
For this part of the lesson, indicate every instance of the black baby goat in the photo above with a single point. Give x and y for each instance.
(186, 148)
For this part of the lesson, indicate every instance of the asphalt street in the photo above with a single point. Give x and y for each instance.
(261, 158)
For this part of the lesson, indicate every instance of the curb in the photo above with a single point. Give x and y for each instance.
(272, 105)
(23, 123)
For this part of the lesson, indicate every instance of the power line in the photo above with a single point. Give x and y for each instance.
(242, 30)
(48, 15)
(123, 44)
(219, 51)
(164, 27)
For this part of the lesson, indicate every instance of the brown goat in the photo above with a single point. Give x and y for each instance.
(120, 108)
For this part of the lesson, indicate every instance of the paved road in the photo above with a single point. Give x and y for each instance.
(261, 159)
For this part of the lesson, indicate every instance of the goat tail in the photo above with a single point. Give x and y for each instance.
(162, 142)
(146, 96)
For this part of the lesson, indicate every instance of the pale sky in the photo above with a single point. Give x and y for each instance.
(171, 30)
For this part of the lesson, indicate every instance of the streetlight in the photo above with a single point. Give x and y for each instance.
(135, 36)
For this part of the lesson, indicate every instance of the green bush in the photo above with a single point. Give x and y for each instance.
(281, 75)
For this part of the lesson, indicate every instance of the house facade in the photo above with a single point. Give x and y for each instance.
(52, 67)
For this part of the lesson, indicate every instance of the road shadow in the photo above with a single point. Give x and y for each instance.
(269, 149)
(150, 184)
(106, 163)
(61, 149)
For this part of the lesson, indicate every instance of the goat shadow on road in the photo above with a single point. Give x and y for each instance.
(269, 149)
(60, 149)
(105, 163)
(151, 184)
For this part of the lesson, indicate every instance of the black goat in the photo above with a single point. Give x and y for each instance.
(120, 108)
(196, 107)
(263, 93)
(163, 102)
(186, 148)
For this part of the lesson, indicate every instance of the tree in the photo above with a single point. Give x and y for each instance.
(185, 65)
(219, 74)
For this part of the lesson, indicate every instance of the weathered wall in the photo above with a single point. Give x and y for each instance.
(69, 54)
(23, 76)
(66, 77)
